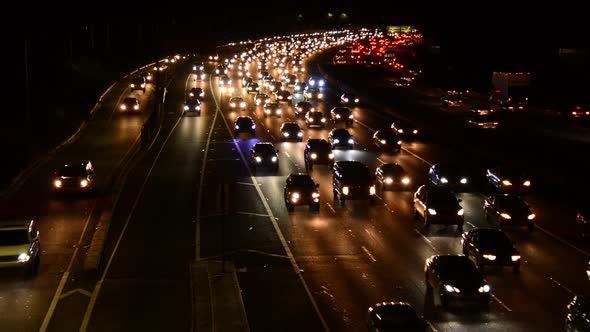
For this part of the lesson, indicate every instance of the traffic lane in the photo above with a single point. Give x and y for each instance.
(60, 220)
(152, 260)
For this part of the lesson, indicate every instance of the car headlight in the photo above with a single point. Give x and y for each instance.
(274, 159)
(336, 141)
(489, 257)
(186, 107)
(506, 183)
(515, 258)
(243, 105)
(399, 142)
(484, 289)
(323, 120)
(415, 131)
(383, 141)
(294, 197)
(314, 155)
(401, 131)
(337, 116)
(84, 183)
(432, 212)
(452, 289)
(463, 180)
(460, 212)
(232, 105)
(132, 85)
(315, 195)
(345, 190)
(299, 134)
(136, 107)
(531, 216)
(388, 180)
(286, 134)
(350, 141)
(505, 216)
(320, 95)
(331, 156)
(253, 126)
(372, 190)
(527, 183)
(237, 127)
(345, 100)
(57, 183)
(356, 100)
(406, 180)
(258, 159)
(444, 180)
(24, 257)
(123, 107)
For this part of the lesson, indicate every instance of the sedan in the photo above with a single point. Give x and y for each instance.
(315, 119)
(291, 132)
(509, 209)
(395, 316)
(244, 124)
(129, 103)
(503, 179)
(272, 108)
(449, 175)
(302, 108)
(75, 177)
(390, 176)
(454, 278)
(283, 96)
(342, 114)
(404, 129)
(192, 105)
(313, 94)
(490, 246)
(349, 98)
(438, 205)
(300, 189)
(387, 140)
(238, 103)
(340, 138)
(264, 154)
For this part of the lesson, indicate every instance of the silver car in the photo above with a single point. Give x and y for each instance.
(19, 245)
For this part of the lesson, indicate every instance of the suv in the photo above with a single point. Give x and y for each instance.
(264, 154)
(351, 179)
(318, 151)
(19, 245)
(438, 205)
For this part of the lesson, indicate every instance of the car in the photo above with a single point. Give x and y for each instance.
(199, 75)
(481, 109)
(253, 88)
(438, 205)
(275, 86)
(490, 246)
(137, 83)
(513, 105)
(244, 124)
(352, 180)
(387, 140)
(76, 177)
(315, 119)
(402, 82)
(508, 179)
(313, 94)
(317, 151)
(392, 175)
(483, 121)
(577, 314)
(452, 100)
(455, 278)
(147, 76)
(342, 114)
(192, 105)
(316, 82)
(451, 174)
(20, 245)
(291, 131)
(302, 108)
(290, 80)
(198, 66)
(264, 154)
(300, 87)
(578, 111)
(301, 189)
(509, 210)
(196, 92)
(583, 220)
(238, 102)
(340, 138)
(261, 98)
(221, 69)
(349, 98)
(129, 103)
(404, 129)
(395, 316)
(246, 81)
(283, 96)
(214, 57)
(272, 108)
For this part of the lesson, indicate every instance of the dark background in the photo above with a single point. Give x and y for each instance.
(60, 57)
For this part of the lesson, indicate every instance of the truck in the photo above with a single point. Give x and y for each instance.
(510, 89)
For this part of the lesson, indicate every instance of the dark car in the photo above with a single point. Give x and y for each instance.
(395, 316)
(583, 220)
(454, 278)
(502, 179)
(387, 140)
(302, 108)
(509, 210)
(438, 205)
(137, 83)
(291, 132)
(318, 151)
(577, 314)
(404, 129)
(340, 138)
(452, 100)
(197, 93)
(261, 99)
(264, 154)
(490, 246)
(76, 177)
(244, 124)
(484, 121)
(452, 175)
(481, 109)
(300, 189)
(300, 87)
(272, 108)
(283, 96)
(514, 105)
(192, 105)
(312, 93)
(315, 119)
(342, 114)
(253, 88)
(349, 98)
(351, 179)
(237, 103)
(390, 176)
(129, 103)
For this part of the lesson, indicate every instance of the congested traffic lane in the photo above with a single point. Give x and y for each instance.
(507, 300)
(66, 223)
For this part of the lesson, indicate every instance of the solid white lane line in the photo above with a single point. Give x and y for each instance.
(253, 214)
(331, 208)
(98, 286)
(368, 253)
(562, 286)
(583, 252)
(501, 303)
(427, 240)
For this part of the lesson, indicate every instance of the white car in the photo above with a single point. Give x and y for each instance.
(19, 245)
